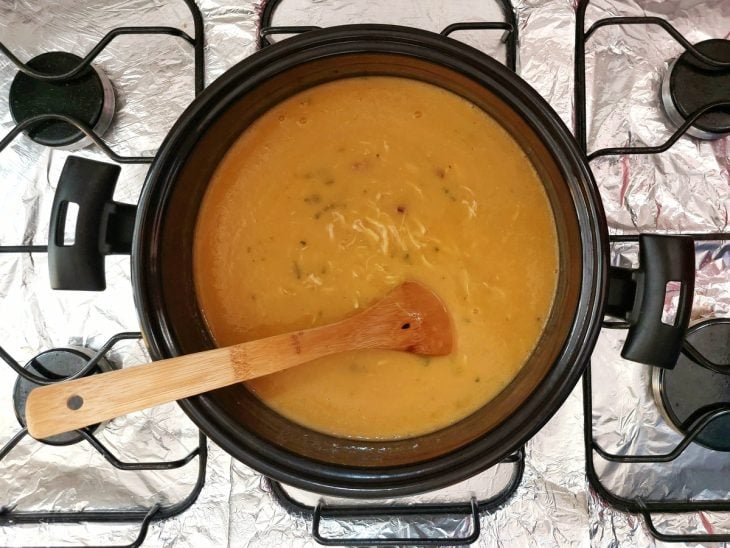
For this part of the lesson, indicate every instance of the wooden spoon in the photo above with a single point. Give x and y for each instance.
(410, 318)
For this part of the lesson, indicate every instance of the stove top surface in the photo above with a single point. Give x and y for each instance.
(685, 189)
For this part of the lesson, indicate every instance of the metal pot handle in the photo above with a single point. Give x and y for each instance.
(103, 226)
(638, 296)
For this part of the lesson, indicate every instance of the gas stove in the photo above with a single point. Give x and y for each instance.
(647, 89)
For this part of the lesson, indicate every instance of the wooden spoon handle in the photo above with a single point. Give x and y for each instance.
(409, 318)
(82, 402)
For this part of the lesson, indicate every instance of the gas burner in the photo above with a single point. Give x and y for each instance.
(691, 84)
(88, 97)
(689, 390)
(55, 365)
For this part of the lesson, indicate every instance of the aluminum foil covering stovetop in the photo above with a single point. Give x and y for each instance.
(685, 189)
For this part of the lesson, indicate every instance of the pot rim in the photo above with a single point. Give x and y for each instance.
(280, 464)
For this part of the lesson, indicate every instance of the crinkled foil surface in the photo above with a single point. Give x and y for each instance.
(685, 189)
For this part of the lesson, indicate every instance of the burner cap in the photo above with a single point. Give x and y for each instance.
(691, 84)
(55, 364)
(689, 390)
(88, 97)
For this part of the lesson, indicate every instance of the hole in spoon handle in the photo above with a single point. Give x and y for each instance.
(75, 402)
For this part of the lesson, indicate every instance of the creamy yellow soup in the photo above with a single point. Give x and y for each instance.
(342, 192)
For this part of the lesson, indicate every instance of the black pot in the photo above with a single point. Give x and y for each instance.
(171, 320)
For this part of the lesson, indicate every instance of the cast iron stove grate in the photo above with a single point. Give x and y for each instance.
(696, 100)
(66, 76)
(510, 36)
(55, 129)
(375, 511)
(47, 368)
(66, 129)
